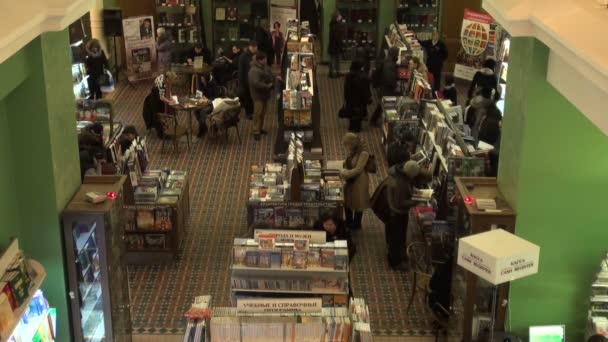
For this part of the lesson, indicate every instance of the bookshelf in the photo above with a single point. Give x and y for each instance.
(360, 22)
(23, 309)
(234, 21)
(598, 302)
(263, 270)
(182, 21)
(303, 321)
(155, 224)
(422, 16)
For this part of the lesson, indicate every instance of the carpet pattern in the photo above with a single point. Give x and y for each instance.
(218, 174)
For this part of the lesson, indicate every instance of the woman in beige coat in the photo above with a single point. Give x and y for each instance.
(356, 186)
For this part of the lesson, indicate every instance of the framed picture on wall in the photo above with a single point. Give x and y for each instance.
(220, 13)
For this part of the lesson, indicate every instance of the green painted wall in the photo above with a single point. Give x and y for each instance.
(39, 158)
(559, 161)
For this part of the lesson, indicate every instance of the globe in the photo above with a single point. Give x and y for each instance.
(475, 39)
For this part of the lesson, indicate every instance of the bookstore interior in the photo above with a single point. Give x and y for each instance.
(238, 244)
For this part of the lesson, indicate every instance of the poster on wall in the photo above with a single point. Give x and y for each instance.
(140, 47)
(477, 42)
(279, 16)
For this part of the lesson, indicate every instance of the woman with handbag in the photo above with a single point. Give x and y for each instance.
(357, 95)
(356, 180)
(95, 63)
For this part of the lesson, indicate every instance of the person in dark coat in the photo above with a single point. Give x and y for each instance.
(261, 82)
(278, 42)
(387, 81)
(357, 95)
(449, 89)
(129, 134)
(95, 62)
(335, 44)
(436, 54)
(485, 79)
(397, 154)
(152, 106)
(264, 39)
(400, 185)
(244, 66)
(335, 229)
(597, 338)
(488, 118)
(362, 55)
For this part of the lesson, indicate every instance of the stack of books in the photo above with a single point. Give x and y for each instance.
(268, 183)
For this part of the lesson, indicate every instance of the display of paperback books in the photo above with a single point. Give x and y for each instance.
(180, 19)
(294, 269)
(198, 316)
(598, 303)
(299, 86)
(269, 183)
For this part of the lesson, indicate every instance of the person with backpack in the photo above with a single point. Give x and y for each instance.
(356, 181)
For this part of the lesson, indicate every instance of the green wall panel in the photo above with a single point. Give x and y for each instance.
(38, 154)
(560, 192)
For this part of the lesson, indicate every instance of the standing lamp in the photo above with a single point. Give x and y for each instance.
(498, 257)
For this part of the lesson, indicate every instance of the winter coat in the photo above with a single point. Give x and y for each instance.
(436, 54)
(357, 94)
(243, 72)
(335, 38)
(389, 73)
(484, 78)
(95, 62)
(356, 187)
(260, 81)
(152, 106)
(489, 125)
(400, 189)
(163, 49)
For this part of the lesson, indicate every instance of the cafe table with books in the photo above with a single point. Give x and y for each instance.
(186, 105)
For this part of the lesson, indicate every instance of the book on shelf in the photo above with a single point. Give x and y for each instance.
(220, 13)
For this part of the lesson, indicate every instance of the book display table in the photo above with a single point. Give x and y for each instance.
(156, 222)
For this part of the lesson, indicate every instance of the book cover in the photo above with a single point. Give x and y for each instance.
(286, 256)
(266, 241)
(130, 219)
(239, 255)
(232, 14)
(275, 259)
(314, 258)
(220, 13)
(341, 259)
(251, 258)
(135, 242)
(300, 259)
(264, 259)
(328, 257)
(301, 244)
(145, 219)
(155, 241)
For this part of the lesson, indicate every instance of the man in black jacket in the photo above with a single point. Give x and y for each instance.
(436, 54)
(244, 66)
(335, 44)
(387, 78)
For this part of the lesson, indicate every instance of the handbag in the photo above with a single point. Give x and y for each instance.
(370, 166)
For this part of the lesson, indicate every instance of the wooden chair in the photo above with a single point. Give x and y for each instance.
(173, 129)
(223, 120)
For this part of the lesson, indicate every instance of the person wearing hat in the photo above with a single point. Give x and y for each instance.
(399, 191)
(356, 181)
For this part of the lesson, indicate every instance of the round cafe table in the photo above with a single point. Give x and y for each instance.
(192, 71)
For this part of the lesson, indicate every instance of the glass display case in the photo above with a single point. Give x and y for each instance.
(95, 250)
(471, 308)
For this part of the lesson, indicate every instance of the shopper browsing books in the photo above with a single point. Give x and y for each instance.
(335, 44)
(485, 79)
(356, 193)
(244, 65)
(261, 81)
(335, 229)
(129, 134)
(400, 185)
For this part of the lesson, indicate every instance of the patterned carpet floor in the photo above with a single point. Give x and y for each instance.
(218, 173)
